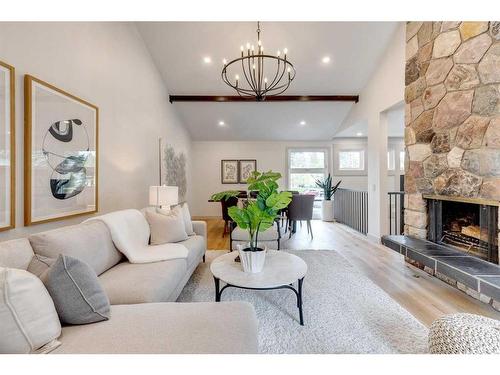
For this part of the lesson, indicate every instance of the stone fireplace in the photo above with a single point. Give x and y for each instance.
(452, 165)
(452, 132)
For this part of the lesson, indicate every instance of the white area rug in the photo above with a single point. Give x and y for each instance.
(344, 311)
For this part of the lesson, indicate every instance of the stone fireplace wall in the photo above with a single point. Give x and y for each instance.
(452, 118)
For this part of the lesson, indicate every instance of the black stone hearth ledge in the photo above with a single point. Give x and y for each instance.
(476, 274)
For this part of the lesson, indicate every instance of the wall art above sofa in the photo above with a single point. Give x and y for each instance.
(7, 147)
(61, 153)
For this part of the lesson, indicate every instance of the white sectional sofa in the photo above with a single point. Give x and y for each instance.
(144, 316)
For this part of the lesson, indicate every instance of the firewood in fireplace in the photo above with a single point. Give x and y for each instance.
(475, 232)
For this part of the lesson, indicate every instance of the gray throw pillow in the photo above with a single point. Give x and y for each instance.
(76, 292)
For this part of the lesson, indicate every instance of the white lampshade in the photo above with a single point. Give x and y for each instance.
(163, 195)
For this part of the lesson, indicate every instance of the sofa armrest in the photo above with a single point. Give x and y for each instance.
(200, 228)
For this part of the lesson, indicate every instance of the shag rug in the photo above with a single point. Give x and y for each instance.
(344, 311)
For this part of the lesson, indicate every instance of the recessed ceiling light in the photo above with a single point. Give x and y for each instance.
(359, 134)
(302, 123)
(207, 60)
(325, 59)
(222, 123)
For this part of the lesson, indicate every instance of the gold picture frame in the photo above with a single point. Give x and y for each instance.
(54, 191)
(10, 132)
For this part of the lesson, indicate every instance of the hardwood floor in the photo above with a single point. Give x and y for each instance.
(424, 296)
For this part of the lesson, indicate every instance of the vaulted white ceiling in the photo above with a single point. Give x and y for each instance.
(179, 49)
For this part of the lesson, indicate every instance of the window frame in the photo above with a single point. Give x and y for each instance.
(361, 151)
(289, 170)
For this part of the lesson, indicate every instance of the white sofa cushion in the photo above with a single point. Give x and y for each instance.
(143, 282)
(16, 254)
(161, 328)
(196, 249)
(28, 319)
(89, 242)
(130, 233)
(166, 228)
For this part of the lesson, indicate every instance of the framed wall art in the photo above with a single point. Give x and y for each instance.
(229, 171)
(61, 154)
(7, 147)
(246, 167)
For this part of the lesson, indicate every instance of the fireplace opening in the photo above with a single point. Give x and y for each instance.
(468, 227)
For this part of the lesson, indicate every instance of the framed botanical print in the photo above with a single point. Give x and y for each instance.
(61, 154)
(246, 168)
(229, 171)
(7, 147)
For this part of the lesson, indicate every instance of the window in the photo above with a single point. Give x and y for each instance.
(305, 167)
(391, 160)
(401, 160)
(352, 160)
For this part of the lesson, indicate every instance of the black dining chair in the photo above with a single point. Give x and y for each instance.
(283, 214)
(299, 209)
(226, 203)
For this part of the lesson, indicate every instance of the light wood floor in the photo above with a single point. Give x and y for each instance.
(424, 296)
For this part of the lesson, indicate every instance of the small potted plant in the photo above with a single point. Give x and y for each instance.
(257, 215)
(328, 192)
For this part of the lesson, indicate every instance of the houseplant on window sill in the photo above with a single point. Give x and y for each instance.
(328, 192)
(258, 215)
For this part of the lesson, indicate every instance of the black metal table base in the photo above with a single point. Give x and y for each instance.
(298, 293)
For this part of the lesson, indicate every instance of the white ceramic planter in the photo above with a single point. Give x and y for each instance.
(327, 210)
(252, 261)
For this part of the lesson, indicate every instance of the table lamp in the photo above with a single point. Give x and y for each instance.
(163, 196)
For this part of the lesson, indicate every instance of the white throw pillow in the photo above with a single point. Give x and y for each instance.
(187, 219)
(186, 215)
(29, 321)
(166, 228)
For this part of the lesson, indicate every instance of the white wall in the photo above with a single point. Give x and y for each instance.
(206, 159)
(108, 65)
(384, 91)
(207, 156)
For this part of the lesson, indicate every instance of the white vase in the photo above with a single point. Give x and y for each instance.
(327, 210)
(252, 261)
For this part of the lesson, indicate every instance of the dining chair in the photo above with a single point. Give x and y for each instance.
(226, 203)
(300, 208)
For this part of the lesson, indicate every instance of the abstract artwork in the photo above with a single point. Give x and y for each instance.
(246, 168)
(61, 137)
(175, 171)
(229, 171)
(7, 147)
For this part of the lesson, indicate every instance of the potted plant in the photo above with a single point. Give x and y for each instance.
(328, 191)
(257, 215)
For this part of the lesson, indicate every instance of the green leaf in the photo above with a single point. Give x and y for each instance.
(278, 201)
(240, 216)
(224, 195)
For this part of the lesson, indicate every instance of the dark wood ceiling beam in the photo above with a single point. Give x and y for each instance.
(280, 98)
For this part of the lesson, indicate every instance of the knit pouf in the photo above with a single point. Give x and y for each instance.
(464, 334)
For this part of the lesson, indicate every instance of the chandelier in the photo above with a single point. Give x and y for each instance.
(257, 75)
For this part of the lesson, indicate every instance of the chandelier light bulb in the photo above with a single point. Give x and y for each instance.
(237, 77)
(279, 53)
(265, 80)
(289, 70)
(242, 48)
(259, 43)
(253, 66)
(248, 45)
(224, 61)
(285, 51)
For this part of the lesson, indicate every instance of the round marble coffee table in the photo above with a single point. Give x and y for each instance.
(281, 271)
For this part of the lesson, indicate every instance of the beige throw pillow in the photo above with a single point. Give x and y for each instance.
(28, 318)
(183, 209)
(166, 228)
